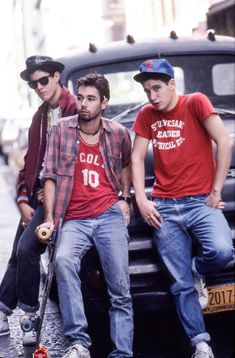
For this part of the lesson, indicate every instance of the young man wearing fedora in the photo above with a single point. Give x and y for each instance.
(186, 195)
(20, 284)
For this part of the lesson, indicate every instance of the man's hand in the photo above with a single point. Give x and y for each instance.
(149, 212)
(47, 224)
(44, 231)
(26, 212)
(215, 201)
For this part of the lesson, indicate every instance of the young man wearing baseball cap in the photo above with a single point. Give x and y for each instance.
(20, 284)
(186, 194)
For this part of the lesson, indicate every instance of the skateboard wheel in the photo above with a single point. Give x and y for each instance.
(27, 323)
(44, 233)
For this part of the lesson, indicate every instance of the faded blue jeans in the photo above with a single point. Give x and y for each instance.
(182, 218)
(108, 233)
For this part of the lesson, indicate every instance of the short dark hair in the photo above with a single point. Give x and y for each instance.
(156, 76)
(98, 81)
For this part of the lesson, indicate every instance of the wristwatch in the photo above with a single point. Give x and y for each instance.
(127, 199)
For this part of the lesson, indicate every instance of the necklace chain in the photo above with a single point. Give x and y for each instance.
(49, 117)
(94, 133)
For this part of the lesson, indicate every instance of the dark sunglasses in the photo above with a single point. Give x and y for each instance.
(43, 81)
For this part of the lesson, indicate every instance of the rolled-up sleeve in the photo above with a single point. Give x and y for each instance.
(52, 155)
(126, 148)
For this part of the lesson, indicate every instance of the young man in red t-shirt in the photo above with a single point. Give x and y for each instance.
(87, 167)
(186, 195)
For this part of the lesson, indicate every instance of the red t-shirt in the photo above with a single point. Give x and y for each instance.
(92, 194)
(183, 153)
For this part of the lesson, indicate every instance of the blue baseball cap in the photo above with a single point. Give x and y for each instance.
(150, 68)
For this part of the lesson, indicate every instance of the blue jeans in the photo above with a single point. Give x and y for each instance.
(183, 218)
(108, 233)
(20, 284)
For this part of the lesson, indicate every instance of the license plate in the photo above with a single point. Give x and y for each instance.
(221, 298)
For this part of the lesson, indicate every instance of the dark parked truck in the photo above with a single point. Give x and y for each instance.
(201, 64)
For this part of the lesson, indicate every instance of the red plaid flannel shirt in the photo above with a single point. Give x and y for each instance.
(62, 152)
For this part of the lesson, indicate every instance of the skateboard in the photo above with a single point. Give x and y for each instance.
(32, 322)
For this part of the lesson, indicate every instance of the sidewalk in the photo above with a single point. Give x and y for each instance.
(9, 218)
(52, 336)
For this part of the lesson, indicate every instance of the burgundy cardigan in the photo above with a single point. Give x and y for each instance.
(37, 141)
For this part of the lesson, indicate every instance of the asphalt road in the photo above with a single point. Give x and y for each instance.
(156, 335)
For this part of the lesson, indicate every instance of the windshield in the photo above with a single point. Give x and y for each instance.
(211, 75)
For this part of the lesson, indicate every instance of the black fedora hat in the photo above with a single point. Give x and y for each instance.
(35, 63)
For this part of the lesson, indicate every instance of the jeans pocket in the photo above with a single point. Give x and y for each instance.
(118, 209)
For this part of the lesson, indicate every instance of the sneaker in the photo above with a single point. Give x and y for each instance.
(199, 284)
(29, 338)
(77, 351)
(4, 326)
(203, 354)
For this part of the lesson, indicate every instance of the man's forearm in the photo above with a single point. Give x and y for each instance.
(126, 180)
(138, 179)
(223, 161)
(219, 134)
(49, 199)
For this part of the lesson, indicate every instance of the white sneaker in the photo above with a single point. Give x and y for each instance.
(199, 284)
(77, 351)
(203, 353)
(4, 325)
(29, 338)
